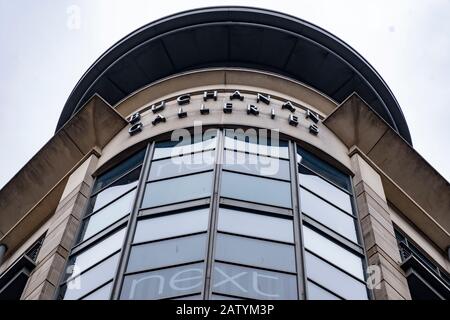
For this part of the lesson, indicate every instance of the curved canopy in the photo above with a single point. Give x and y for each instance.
(235, 37)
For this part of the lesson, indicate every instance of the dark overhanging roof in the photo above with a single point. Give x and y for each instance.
(235, 37)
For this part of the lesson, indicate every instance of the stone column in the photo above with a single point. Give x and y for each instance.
(378, 232)
(63, 226)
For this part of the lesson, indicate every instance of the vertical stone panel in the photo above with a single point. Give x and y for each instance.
(63, 226)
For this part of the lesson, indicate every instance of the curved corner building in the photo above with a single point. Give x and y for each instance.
(227, 153)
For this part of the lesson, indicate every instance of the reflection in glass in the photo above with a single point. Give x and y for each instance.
(319, 186)
(255, 189)
(256, 225)
(108, 215)
(249, 141)
(333, 252)
(167, 252)
(258, 165)
(253, 283)
(328, 215)
(172, 225)
(317, 293)
(178, 189)
(333, 279)
(100, 294)
(164, 283)
(177, 166)
(258, 253)
(188, 144)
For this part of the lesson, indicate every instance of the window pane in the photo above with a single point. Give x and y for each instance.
(334, 279)
(261, 190)
(100, 294)
(253, 283)
(91, 279)
(317, 293)
(163, 283)
(165, 149)
(108, 215)
(117, 189)
(256, 225)
(194, 297)
(220, 297)
(178, 189)
(324, 189)
(112, 174)
(328, 215)
(259, 165)
(167, 252)
(258, 253)
(333, 252)
(249, 141)
(97, 252)
(172, 225)
(181, 165)
(323, 168)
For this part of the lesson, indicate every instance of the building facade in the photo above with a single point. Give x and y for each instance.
(227, 153)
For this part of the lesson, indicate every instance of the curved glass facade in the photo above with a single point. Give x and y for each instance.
(224, 215)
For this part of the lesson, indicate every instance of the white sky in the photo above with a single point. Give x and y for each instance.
(41, 59)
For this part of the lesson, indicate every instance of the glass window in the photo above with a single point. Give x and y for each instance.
(165, 283)
(172, 225)
(258, 253)
(125, 166)
(194, 297)
(333, 279)
(317, 293)
(221, 297)
(166, 253)
(91, 279)
(108, 215)
(100, 294)
(328, 215)
(97, 252)
(256, 225)
(255, 189)
(178, 189)
(333, 252)
(177, 166)
(252, 283)
(249, 141)
(323, 168)
(314, 183)
(189, 144)
(258, 165)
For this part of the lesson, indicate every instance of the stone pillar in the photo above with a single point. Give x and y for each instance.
(378, 232)
(61, 233)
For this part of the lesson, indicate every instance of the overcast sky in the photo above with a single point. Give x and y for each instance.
(43, 53)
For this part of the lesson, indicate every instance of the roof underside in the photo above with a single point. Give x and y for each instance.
(235, 37)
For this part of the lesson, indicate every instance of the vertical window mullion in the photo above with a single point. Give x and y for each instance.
(298, 223)
(214, 208)
(131, 226)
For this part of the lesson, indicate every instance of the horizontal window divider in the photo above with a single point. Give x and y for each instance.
(135, 244)
(255, 238)
(163, 268)
(184, 296)
(254, 208)
(324, 178)
(255, 175)
(327, 201)
(90, 268)
(337, 267)
(114, 181)
(231, 296)
(98, 288)
(256, 154)
(180, 176)
(255, 267)
(111, 202)
(81, 246)
(326, 289)
(334, 236)
(174, 204)
(251, 204)
(184, 154)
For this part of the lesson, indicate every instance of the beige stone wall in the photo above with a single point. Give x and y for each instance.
(62, 229)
